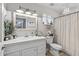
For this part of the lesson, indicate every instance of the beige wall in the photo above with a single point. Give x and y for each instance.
(44, 28)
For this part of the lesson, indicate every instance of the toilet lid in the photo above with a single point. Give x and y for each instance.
(56, 46)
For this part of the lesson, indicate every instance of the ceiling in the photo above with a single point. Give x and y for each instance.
(59, 7)
(54, 9)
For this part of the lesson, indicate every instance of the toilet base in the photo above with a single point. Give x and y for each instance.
(55, 49)
(54, 52)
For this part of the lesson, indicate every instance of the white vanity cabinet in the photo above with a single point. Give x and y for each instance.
(30, 48)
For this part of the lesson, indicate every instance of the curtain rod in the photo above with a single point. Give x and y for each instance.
(66, 14)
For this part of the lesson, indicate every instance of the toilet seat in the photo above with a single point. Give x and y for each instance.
(56, 46)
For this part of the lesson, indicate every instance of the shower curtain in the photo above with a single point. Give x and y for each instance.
(67, 33)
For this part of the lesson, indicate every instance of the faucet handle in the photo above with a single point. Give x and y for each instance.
(3, 48)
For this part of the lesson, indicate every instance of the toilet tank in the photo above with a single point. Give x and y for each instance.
(49, 39)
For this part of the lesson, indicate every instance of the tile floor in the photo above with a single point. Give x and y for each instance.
(61, 54)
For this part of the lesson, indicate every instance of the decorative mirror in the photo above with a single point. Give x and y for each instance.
(22, 21)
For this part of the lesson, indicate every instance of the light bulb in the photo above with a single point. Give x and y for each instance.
(20, 11)
(35, 14)
(28, 13)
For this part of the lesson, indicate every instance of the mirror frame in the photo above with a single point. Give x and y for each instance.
(27, 28)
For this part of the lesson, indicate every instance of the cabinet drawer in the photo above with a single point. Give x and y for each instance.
(15, 53)
(29, 52)
(11, 49)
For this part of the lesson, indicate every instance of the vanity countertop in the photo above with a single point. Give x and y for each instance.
(23, 39)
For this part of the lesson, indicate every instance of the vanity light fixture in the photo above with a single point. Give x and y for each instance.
(20, 11)
(26, 11)
(35, 14)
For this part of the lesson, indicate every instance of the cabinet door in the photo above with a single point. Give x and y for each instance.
(29, 52)
(15, 53)
(41, 50)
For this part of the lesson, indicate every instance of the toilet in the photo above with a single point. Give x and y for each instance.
(54, 47)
